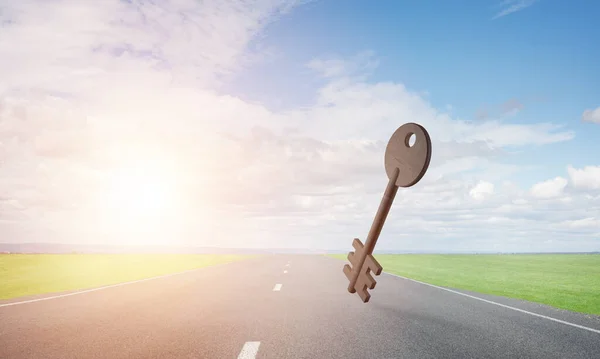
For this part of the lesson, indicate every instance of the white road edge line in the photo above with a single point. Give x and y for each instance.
(249, 350)
(107, 286)
(277, 287)
(499, 304)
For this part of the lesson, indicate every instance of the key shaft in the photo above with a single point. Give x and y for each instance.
(376, 227)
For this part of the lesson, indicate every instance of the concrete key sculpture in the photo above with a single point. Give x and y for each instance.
(405, 165)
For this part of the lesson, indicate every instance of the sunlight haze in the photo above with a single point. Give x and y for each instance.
(263, 123)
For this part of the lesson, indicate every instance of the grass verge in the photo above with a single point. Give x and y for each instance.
(30, 274)
(565, 281)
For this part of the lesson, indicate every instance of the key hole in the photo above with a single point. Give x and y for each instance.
(410, 139)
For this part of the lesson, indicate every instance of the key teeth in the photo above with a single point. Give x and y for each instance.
(374, 266)
(370, 281)
(358, 248)
(348, 271)
(352, 256)
(365, 280)
(364, 295)
(358, 245)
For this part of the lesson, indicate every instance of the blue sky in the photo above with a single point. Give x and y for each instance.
(263, 123)
(543, 56)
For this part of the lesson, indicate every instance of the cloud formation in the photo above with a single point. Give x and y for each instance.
(91, 90)
(549, 189)
(592, 116)
(513, 6)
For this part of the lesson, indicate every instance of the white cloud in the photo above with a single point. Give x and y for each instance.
(513, 6)
(589, 222)
(333, 66)
(592, 116)
(90, 89)
(93, 45)
(374, 110)
(482, 190)
(550, 188)
(586, 178)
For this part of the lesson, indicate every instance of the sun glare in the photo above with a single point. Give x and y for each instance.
(141, 192)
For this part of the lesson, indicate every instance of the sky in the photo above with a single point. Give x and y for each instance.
(263, 123)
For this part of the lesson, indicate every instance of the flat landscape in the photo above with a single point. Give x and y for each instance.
(565, 281)
(31, 274)
(280, 306)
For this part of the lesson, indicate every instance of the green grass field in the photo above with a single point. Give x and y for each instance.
(566, 281)
(29, 274)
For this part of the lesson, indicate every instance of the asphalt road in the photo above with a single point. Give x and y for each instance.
(254, 309)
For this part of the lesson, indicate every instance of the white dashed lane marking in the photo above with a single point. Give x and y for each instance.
(249, 350)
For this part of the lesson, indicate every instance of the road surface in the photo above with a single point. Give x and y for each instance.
(288, 306)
